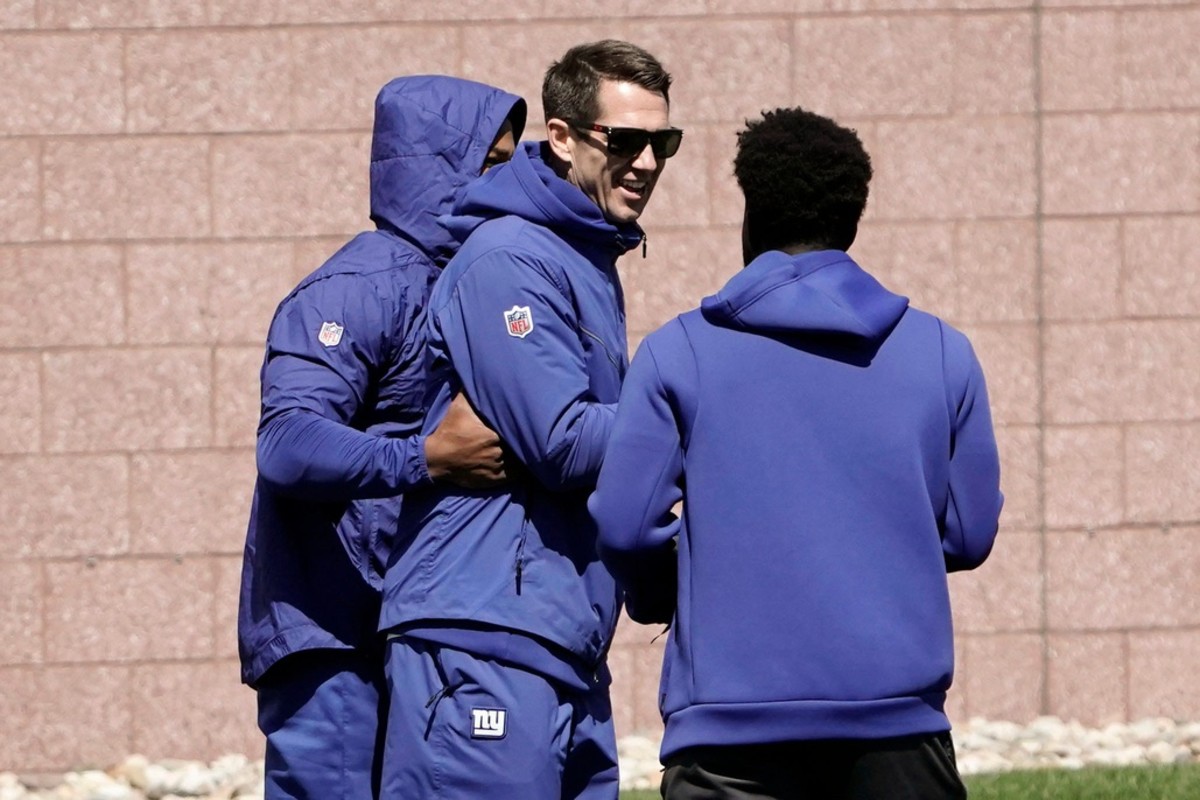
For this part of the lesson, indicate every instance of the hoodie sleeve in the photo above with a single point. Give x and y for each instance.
(640, 483)
(530, 386)
(312, 392)
(974, 499)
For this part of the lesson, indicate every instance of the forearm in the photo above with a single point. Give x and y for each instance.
(304, 454)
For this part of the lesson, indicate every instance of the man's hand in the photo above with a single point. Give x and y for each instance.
(464, 451)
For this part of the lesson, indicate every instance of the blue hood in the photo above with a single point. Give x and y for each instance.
(527, 187)
(821, 291)
(432, 134)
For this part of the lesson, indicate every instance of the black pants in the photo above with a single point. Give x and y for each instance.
(906, 768)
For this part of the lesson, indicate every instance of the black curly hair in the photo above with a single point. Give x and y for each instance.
(804, 178)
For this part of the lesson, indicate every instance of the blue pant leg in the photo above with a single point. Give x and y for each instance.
(320, 711)
(461, 726)
(591, 768)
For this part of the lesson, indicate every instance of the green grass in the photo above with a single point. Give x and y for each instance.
(1179, 782)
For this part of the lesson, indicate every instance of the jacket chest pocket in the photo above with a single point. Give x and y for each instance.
(606, 365)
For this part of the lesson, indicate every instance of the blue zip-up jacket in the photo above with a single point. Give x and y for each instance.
(343, 382)
(528, 319)
(834, 452)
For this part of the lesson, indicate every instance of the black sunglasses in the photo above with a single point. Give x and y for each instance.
(629, 142)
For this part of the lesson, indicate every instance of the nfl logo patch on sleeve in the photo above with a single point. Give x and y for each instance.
(331, 334)
(519, 320)
(488, 723)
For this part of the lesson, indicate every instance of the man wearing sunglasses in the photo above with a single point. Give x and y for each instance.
(499, 612)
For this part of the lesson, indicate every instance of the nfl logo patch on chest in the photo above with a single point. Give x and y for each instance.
(519, 321)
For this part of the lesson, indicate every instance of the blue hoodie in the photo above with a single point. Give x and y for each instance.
(343, 382)
(528, 319)
(834, 453)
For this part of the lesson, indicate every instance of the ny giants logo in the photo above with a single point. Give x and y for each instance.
(488, 723)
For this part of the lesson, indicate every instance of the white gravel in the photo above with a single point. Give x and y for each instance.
(982, 745)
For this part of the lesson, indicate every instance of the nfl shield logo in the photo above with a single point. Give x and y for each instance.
(519, 321)
(331, 334)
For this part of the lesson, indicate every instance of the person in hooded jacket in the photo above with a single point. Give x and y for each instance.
(340, 439)
(833, 450)
(499, 611)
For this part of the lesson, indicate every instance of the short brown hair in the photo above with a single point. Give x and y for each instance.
(571, 88)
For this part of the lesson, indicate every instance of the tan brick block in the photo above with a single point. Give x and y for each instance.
(1020, 474)
(20, 612)
(70, 717)
(961, 167)
(1162, 473)
(516, 57)
(729, 82)
(64, 506)
(1121, 163)
(848, 65)
(20, 181)
(1004, 594)
(1160, 277)
(1118, 3)
(212, 293)
(1162, 681)
(680, 269)
(1009, 356)
(1081, 269)
(1159, 69)
(316, 184)
(225, 602)
(636, 670)
(191, 502)
(169, 723)
(143, 188)
(57, 295)
(345, 67)
(308, 255)
(20, 403)
(766, 6)
(995, 271)
(304, 12)
(225, 81)
(129, 610)
(1081, 60)
(17, 14)
(1088, 677)
(1123, 579)
(238, 396)
(725, 200)
(624, 709)
(60, 83)
(1085, 476)
(644, 8)
(915, 259)
(1135, 371)
(120, 14)
(993, 63)
(128, 399)
(1001, 676)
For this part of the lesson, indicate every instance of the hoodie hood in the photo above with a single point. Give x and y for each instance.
(822, 291)
(432, 134)
(527, 187)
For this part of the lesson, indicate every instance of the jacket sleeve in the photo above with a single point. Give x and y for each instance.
(640, 483)
(531, 387)
(313, 393)
(974, 497)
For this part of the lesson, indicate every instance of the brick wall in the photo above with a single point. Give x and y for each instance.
(169, 169)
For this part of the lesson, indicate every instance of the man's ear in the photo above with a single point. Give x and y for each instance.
(558, 135)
